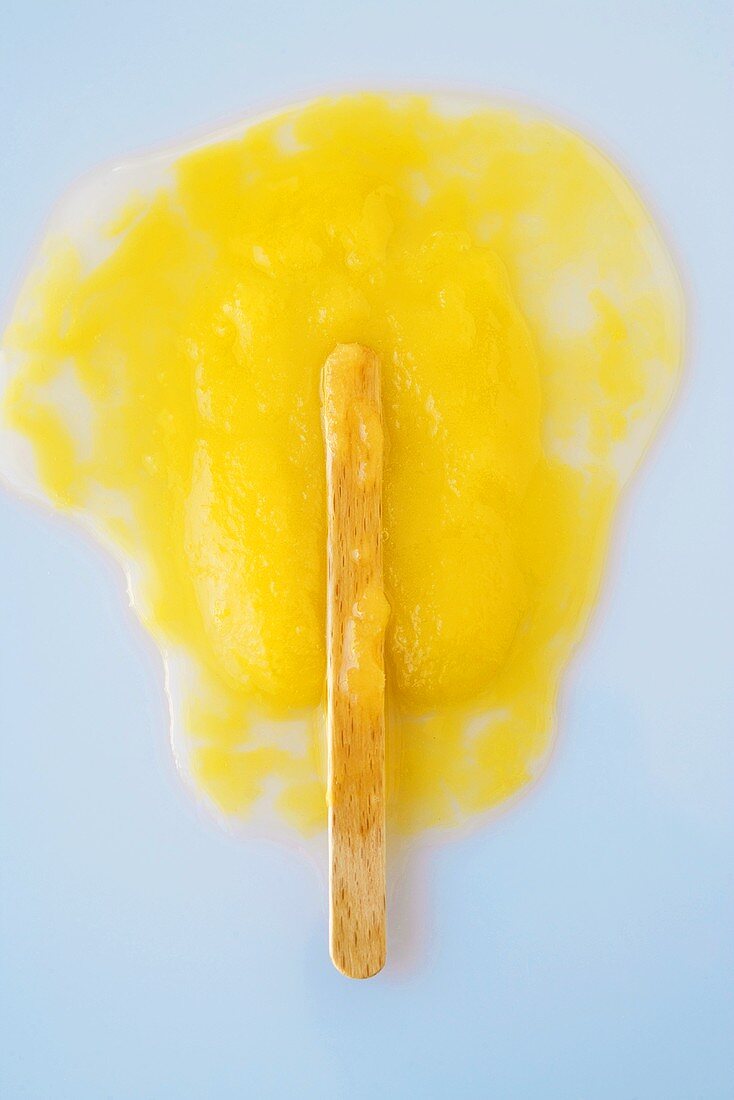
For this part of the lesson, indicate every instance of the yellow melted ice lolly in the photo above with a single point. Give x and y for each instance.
(528, 322)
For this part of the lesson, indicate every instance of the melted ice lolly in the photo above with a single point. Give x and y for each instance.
(163, 371)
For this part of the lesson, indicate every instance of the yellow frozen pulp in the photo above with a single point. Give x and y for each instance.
(528, 323)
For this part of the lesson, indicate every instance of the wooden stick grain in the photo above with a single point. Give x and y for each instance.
(356, 619)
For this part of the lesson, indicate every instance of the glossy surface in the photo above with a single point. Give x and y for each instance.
(529, 325)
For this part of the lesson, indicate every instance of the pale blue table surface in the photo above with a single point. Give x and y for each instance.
(581, 948)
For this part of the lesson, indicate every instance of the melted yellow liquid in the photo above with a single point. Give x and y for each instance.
(528, 323)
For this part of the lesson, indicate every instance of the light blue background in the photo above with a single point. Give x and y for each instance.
(579, 949)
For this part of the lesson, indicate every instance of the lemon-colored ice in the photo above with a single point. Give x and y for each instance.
(528, 323)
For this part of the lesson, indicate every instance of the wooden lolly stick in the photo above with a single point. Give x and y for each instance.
(356, 615)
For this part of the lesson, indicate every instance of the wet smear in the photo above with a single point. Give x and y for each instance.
(165, 368)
